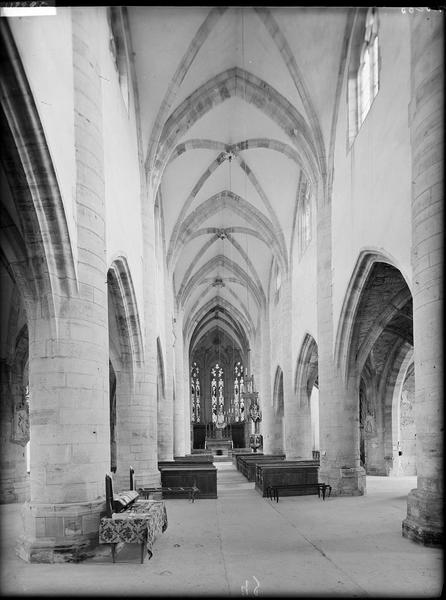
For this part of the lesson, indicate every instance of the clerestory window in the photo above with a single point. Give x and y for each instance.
(363, 78)
(304, 218)
(118, 50)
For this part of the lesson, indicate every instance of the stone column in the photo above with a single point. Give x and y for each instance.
(179, 431)
(424, 521)
(302, 426)
(262, 379)
(150, 476)
(292, 437)
(165, 415)
(338, 400)
(68, 352)
(188, 442)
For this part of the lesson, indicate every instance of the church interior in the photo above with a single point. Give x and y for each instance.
(221, 300)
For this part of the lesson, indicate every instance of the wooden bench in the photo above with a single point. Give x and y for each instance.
(116, 502)
(242, 452)
(124, 505)
(244, 457)
(272, 492)
(250, 467)
(282, 463)
(288, 473)
(200, 475)
(194, 458)
(191, 492)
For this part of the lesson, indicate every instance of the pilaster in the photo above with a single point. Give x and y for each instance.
(68, 352)
(424, 520)
(338, 400)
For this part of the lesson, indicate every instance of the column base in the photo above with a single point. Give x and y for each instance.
(344, 481)
(424, 521)
(55, 533)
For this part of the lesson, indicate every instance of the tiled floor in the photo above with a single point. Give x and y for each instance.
(244, 545)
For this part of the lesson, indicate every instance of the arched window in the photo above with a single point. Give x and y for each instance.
(368, 82)
(217, 398)
(363, 73)
(195, 393)
(304, 218)
(118, 50)
(239, 388)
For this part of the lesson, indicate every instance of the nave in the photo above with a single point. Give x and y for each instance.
(244, 545)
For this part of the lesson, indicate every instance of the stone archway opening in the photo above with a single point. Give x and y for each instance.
(405, 435)
(124, 358)
(278, 414)
(307, 396)
(381, 327)
(314, 419)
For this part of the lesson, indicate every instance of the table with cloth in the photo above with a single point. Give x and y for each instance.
(140, 524)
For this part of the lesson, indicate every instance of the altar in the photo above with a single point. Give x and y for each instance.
(219, 447)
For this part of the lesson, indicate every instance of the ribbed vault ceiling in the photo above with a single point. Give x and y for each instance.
(236, 109)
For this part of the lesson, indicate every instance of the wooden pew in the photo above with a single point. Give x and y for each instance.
(274, 491)
(201, 475)
(240, 457)
(125, 503)
(191, 480)
(119, 501)
(242, 452)
(301, 477)
(280, 463)
(247, 463)
(194, 458)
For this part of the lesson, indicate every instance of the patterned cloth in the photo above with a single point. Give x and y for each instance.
(139, 525)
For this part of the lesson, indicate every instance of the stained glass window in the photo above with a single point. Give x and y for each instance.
(195, 394)
(239, 388)
(217, 398)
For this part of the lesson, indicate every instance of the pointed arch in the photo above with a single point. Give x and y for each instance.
(213, 240)
(306, 370)
(219, 304)
(32, 180)
(120, 284)
(361, 272)
(220, 260)
(201, 36)
(296, 75)
(161, 373)
(236, 82)
(226, 321)
(266, 143)
(229, 200)
(278, 400)
(217, 162)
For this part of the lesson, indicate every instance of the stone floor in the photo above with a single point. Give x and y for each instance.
(244, 545)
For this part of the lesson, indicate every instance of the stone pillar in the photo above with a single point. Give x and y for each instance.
(68, 352)
(164, 415)
(293, 439)
(302, 426)
(188, 442)
(338, 400)
(262, 379)
(150, 476)
(424, 521)
(179, 430)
